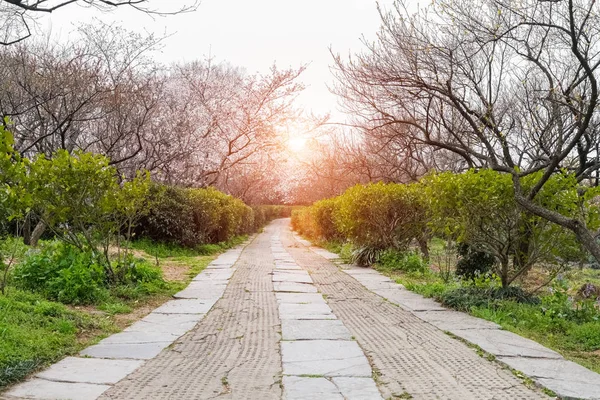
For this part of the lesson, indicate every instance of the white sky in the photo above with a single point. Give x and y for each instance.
(254, 34)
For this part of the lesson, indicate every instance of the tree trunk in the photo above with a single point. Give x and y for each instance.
(423, 246)
(37, 233)
(27, 230)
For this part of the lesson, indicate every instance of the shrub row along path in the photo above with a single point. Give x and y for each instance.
(286, 322)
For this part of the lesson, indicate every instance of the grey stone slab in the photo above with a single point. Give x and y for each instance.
(324, 357)
(299, 277)
(304, 388)
(90, 370)
(357, 388)
(176, 324)
(208, 296)
(371, 278)
(305, 311)
(379, 285)
(504, 343)
(294, 287)
(288, 267)
(49, 390)
(133, 337)
(143, 351)
(185, 306)
(566, 378)
(449, 320)
(361, 271)
(324, 253)
(300, 298)
(314, 330)
(215, 275)
(409, 300)
(218, 266)
(202, 290)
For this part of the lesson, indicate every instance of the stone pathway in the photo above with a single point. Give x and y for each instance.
(545, 366)
(320, 359)
(278, 319)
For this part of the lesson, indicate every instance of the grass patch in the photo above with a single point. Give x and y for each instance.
(167, 250)
(35, 332)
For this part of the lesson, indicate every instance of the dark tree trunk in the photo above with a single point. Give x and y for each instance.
(37, 233)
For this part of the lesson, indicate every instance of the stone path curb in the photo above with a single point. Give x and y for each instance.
(545, 367)
(320, 359)
(101, 366)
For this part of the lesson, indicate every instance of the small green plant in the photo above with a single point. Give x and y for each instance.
(409, 262)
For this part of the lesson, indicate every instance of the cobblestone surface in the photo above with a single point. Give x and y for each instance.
(409, 355)
(234, 351)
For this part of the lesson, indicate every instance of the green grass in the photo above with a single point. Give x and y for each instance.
(35, 332)
(166, 250)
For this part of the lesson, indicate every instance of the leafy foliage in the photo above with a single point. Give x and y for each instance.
(472, 263)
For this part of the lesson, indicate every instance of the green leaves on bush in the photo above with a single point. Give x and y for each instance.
(402, 261)
(64, 273)
(466, 298)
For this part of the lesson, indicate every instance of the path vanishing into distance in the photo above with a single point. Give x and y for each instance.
(277, 319)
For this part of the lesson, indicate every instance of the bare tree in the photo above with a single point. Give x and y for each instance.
(512, 86)
(17, 16)
(225, 117)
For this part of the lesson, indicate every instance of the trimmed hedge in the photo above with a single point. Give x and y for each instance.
(191, 217)
(377, 216)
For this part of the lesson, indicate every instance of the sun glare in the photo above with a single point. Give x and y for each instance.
(296, 144)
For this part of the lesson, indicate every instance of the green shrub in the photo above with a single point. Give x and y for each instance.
(402, 261)
(170, 218)
(381, 216)
(472, 262)
(324, 215)
(366, 256)
(63, 272)
(466, 298)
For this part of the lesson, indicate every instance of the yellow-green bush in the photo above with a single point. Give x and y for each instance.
(382, 216)
(378, 216)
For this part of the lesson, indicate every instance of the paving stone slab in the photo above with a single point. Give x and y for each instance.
(185, 306)
(211, 267)
(203, 295)
(294, 287)
(357, 388)
(133, 337)
(379, 285)
(215, 275)
(300, 298)
(352, 270)
(140, 351)
(409, 300)
(288, 267)
(49, 390)
(505, 343)
(90, 370)
(566, 378)
(304, 388)
(325, 254)
(305, 311)
(166, 323)
(449, 320)
(314, 330)
(324, 357)
(299, 277)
